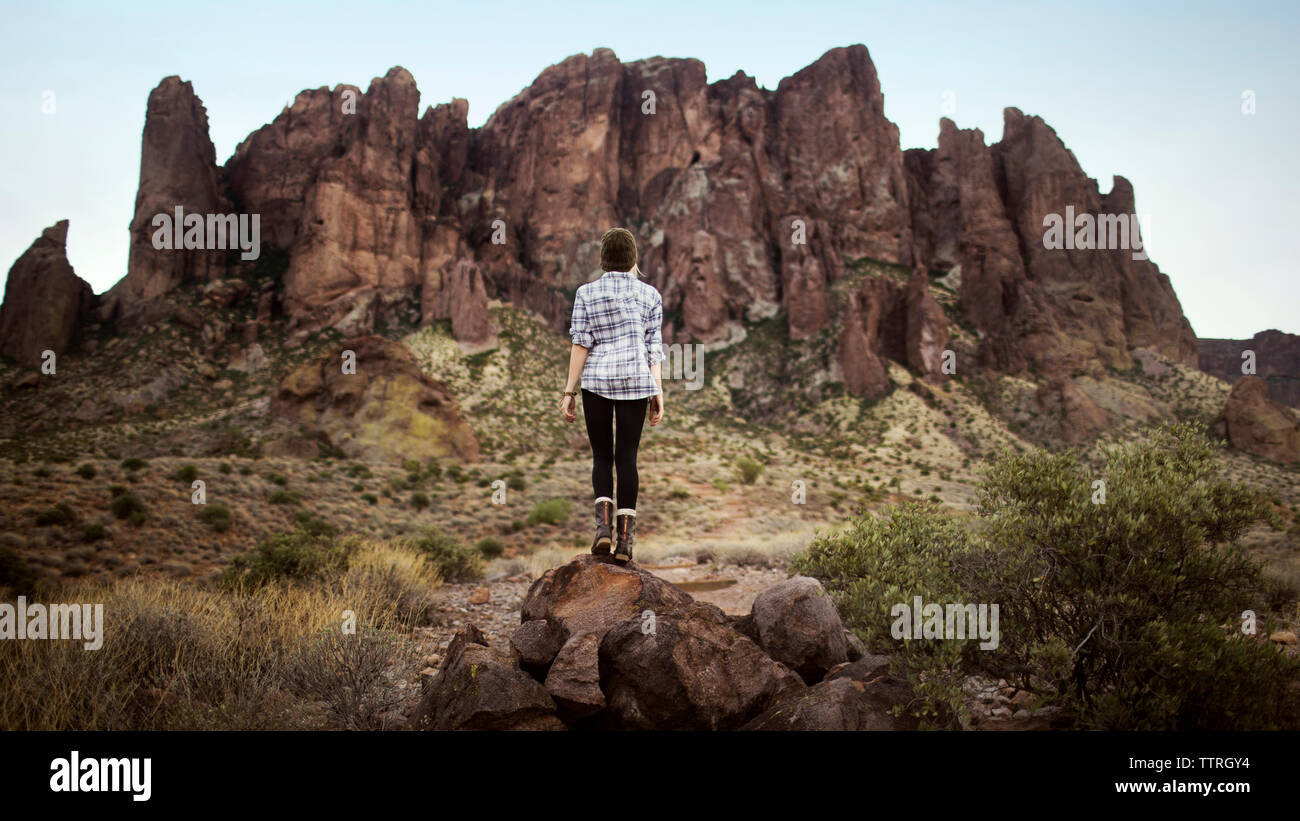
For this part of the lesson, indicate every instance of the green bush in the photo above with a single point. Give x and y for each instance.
(720, 485)
(455, 561)
(59, 514)
(748, 469)
(370, 498)
(419, 500)
(217, 516)
(284, 496)
(489, 547)
(276, 478)
(126, 506)
(516, 482)
(15, 573)
(133, 463)
(116, 490)
(552, 512)
(1125, 613)
(296, 556)
(86, 471)
(93, 532)
(313, 525)
(411, 465)
(186, 473)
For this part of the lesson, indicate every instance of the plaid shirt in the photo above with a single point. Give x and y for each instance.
(620, 319)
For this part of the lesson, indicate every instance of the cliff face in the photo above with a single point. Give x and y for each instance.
(1277, 362)
(44, 300)
(746, 202)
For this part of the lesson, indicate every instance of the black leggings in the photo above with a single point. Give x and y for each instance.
(600, 414)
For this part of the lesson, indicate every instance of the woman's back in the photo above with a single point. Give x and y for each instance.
(620, 318)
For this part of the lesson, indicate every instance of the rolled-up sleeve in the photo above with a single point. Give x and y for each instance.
(580, 326)
(654, 333)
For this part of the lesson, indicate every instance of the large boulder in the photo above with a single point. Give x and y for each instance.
(857, 696)
(798, 626)
(387, 409)
(692, 671)
(1256, 424)
(481, 688)
(567, 612)
(44, 299)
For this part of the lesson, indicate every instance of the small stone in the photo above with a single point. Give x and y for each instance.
(1283, 637)
(481, 595)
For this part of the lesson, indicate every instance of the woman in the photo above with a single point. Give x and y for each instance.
(617, 333)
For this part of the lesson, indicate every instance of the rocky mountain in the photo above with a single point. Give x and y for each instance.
(747, 203)
(1256, 424)
(1276, 360)
(45, 300)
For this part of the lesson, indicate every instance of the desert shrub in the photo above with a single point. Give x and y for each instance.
(748, 469)
(134, 463)
(313, 525)
(15, 573)
(59, 514)
(516, 482)
(489, 547)
(1125, 613)
(349, 674)
(276, 478)
(370, 498)
(419, 500)
(217, 516)
(552, 512)
(186, 474)
(679, 493)
(225, 468)
(411, 465)
(93, 532)
(284, 496)
(720, 485)
(874, 564)
(86, 471)
(301, 554)
(454, 561)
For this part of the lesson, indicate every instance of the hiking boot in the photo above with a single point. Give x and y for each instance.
(626, 528)
(604, 526)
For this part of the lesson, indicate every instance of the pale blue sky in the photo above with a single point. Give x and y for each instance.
(1153, 94)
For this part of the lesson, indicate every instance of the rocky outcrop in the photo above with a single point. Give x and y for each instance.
(44, 300)
(483, 689)
(981, 211)
(747, 203)
(886, 320)
(855, 696)
(1276, 360)
(177, 170)
(1071, 412)
(1256, 424)
(616, 647)
(386, 409)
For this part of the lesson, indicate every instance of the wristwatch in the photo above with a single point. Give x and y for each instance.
(570, 393)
